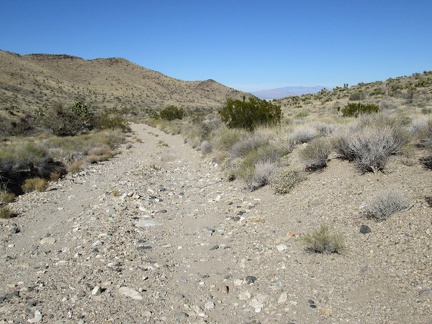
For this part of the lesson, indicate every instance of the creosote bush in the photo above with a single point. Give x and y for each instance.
(250, 114)
(385, 203)
(171, 113)
(354, 109)
(323, 240)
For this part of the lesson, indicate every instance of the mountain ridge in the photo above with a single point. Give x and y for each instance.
(33, 81)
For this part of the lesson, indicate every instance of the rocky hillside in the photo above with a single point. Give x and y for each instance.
(31, 81)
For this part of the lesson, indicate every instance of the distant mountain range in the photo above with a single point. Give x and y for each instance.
(279, 93)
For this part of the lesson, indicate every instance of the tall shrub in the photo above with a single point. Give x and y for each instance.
(249, 114)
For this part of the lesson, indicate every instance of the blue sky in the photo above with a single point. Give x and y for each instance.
(246, 44)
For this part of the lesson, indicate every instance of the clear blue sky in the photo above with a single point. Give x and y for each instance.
(246, 44)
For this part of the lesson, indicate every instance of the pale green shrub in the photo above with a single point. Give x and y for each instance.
(323, 240)
(385, 203)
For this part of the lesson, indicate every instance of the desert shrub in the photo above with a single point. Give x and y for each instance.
(6, 213)
(283, 180)
(356, 96)
(33, 184)
(245, 167)
(75, 167)
(323, 240)
(303, 134)
(76, 119)
(171, 113)
(262, 174)
(354, 109)
(111, 120)
(206, 147)
(250, 114)
(225, 138)
(315, 154)
(6, 197)
(324, 129)
(249, 143)
(370, 143)
(385, 203)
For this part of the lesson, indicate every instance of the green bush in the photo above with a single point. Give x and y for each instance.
(250, 114)
(171, 113)
(67, 122)
(354, 109)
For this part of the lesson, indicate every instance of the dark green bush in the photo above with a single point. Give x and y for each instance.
(67, 122)
(171, 113)
(250, 114)
(354, 109)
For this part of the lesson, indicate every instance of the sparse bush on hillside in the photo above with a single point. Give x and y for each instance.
(315, 154)
(386, 203)
(225, 138)
(354, 109)
(284, 179)
(356, 96)
(6, 197)
(303, 134)
(171, 113)
(250, 114)
(323, 240)
(6, 213)
(371, 142)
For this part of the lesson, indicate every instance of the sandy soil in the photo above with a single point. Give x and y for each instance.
(158, 235)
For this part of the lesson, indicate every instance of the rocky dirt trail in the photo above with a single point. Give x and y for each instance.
(157, 235)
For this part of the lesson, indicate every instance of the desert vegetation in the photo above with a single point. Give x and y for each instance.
(50, 131)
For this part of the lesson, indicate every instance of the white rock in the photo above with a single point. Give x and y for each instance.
(131, 293)
(283, 298)
(37, 318)
(48, 240)
(96, 291)
(255, 303)
(244, 295)
(146, 223)
(281, 247)
(209, 305)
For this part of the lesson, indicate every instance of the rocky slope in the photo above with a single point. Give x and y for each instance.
(158, 235)
(29, 82)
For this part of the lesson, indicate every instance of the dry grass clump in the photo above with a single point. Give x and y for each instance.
(385, 203)
(323, 240)
(225, 138)
(284, 179)
(33, 184)
(6, 213)
(6, 197)
(75, 167)
(206, 147)
(371, 141)
(256, 166)
(304, 134)
(315, 154)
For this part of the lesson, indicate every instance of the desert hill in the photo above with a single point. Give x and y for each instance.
(36, 80)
